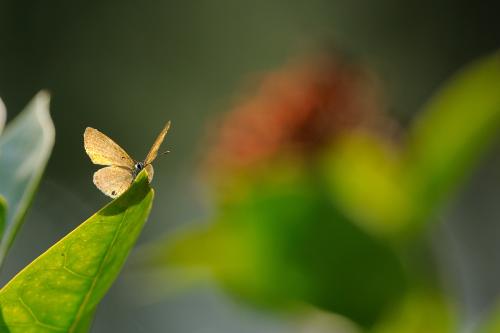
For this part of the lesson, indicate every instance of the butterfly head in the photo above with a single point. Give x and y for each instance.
(138, 166)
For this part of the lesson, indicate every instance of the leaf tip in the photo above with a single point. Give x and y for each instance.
(41, 106)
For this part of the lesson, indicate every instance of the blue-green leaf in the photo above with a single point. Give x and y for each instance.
(25, 147)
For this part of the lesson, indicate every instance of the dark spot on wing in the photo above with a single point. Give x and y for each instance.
(113, 193)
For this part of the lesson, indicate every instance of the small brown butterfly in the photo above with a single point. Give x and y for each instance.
(121, 169)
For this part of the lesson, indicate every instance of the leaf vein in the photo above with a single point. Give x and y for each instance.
(99, 271)
(72, 272)
(35, 318)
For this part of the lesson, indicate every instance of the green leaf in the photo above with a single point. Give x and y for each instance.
(367, 179)
(59, 290)
(279, 241)
(389, 189)
(25, 147)
(453, 130)
(420, 311)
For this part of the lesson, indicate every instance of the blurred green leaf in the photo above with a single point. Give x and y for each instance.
(280, 242)
(59, 291)
(388, 189)
(366, 178)
(291, 234)
(455, 127)
(420, 311)
(25, 147)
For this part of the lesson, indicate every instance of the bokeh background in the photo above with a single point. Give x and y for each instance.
(126, 67)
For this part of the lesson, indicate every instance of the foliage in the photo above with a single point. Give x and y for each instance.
(337, 228)
(25, 147)
(420, 311)
(400, 185)
(330, 221)
(59, 291)
(282, 240)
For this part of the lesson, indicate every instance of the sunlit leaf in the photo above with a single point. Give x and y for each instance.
(25, 147)
(59, 290)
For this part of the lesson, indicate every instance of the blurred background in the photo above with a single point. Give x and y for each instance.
(126, 67)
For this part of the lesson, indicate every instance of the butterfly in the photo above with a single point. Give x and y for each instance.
(121, 169)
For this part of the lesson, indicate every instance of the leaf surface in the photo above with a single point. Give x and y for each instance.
(25, 147)
(59, 291)
(391, 189)
(455, 127)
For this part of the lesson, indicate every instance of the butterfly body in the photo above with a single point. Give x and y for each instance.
(120, 169)
(138, 167)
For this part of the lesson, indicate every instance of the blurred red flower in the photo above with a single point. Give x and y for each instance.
(298, 109)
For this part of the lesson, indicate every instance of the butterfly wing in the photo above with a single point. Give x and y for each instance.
(150, 171)
(113, 180)
(104, 151)
(153, 152)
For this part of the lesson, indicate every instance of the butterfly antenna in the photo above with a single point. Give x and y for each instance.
(165, 152)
